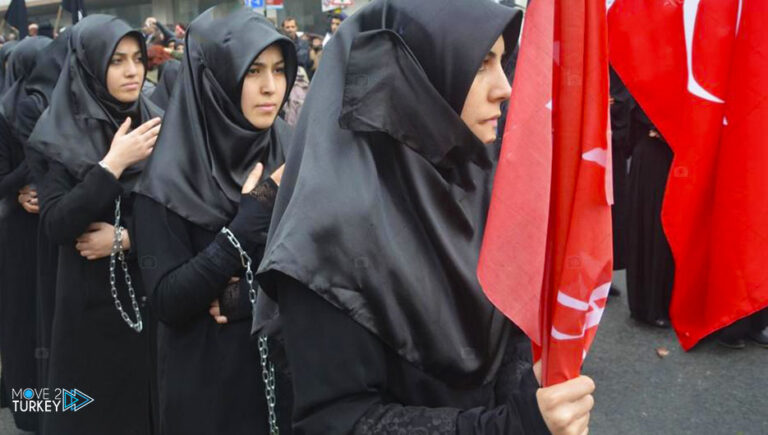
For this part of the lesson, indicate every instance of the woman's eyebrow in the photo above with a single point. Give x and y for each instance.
(257, 63)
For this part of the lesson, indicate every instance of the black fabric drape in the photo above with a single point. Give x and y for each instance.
(383, 202)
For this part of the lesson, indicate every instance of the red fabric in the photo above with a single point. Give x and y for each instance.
(547, 252)
(715, 212)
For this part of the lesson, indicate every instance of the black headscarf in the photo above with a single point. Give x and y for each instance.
(40, 84)
(169, 72)
(207, 147)
(83, 117)
(5, 52)
(382, 205)
(20, 64)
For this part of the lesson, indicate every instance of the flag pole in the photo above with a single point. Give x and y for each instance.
(58, 20)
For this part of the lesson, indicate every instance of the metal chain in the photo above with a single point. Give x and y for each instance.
(245, 260)
(118, 252)
(267, 368)
(268, 375)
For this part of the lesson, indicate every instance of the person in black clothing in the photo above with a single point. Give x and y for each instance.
(291, 29)
(221, 123)
(168, 74)
(95, 134)
(18, 237)
(38, 89)
(372, 251)
(650, 265)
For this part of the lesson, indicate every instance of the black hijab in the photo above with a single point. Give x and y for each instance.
(207, 147)
(5, 52)
(80, 123)
(383, 201)
(169, 73)
(39, 85)
(20, 64)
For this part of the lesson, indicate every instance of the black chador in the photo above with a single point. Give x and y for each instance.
(376, 232)
(210, 374)
(93, 346)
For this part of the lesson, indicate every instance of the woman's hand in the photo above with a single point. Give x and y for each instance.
(28, 199)
(130, 148)
(98, 239)
(566, 407)
(215, 309)
(253, 178)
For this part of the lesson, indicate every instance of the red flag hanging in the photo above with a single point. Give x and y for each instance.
(546, 255)
(699, 69)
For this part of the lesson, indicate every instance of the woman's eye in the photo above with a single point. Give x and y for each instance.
(115, 61)
(253, 70)
(280, 70)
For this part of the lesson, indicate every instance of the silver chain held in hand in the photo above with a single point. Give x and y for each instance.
(118, 252)
(267, 368)
(245, 260)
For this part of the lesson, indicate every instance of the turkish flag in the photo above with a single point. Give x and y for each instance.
(546, 257)
(699, 69)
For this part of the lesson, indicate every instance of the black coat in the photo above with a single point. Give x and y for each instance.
(186, 267)
(349, 381)
(92, 349)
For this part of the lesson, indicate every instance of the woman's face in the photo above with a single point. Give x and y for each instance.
(264, 88)
(482, 108)
(125, 74)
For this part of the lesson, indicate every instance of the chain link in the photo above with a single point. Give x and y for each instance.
(267, 368)
(268, 375)
(118, 252)
(245, 260)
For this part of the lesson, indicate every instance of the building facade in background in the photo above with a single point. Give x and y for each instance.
(309, 13)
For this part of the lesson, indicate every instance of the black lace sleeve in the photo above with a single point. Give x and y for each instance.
(398, 419)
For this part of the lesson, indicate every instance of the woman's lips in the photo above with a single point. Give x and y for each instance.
(131, 86)
(266, 108)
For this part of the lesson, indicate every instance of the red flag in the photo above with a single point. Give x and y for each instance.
(546, 255)
(699, 69)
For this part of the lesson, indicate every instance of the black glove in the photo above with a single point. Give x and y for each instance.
(251, 223)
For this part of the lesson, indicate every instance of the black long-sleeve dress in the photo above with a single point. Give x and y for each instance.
(18, 238)
(210, 375)
(350, 382)
(650, 265)
(92, 348)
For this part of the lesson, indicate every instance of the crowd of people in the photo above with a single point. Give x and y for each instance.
(235, 227)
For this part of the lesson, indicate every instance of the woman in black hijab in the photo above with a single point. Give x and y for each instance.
(376, 231)
(95, 135)
(38, 89)
(221, 122)
(18, 236)
(5, 52)
(169, 73)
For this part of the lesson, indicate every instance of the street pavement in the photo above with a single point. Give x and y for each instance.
(707, 391)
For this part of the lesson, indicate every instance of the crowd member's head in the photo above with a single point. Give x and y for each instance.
(238, 72)
(127, 68)
(171, 45)
(33, 29)
(316, 43)
(12, 36)
(180, 30)
(290, 27)
(156, 56)
(336, 20)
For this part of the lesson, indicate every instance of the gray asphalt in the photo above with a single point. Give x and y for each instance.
(707, 391)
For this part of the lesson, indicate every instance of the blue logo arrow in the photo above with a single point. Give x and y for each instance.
(75, 400)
